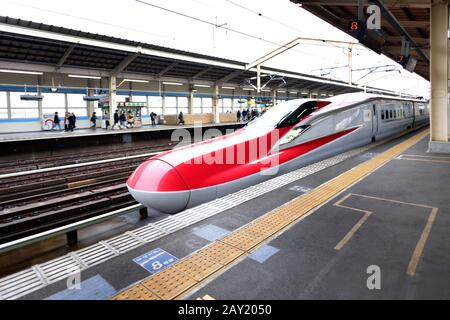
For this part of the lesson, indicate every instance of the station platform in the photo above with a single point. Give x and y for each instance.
(35, 145)
(366, 224)
(45, 135)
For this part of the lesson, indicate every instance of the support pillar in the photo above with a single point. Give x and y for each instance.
(39, 92)
(72, 237)
(163, 99)
(8, 103)
(90, 104)
(274, 97)
(112, 97)
(216, 105)
(350, 63)
(143, 212)
(439, 76)
(191, 100)
(258, 78)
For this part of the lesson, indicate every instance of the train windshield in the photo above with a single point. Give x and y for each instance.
(285, 114)
(275, 115)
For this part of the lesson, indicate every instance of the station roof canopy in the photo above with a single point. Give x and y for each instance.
(27, 45)
(399, 18)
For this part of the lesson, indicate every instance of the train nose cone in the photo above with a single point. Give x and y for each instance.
(158, 185)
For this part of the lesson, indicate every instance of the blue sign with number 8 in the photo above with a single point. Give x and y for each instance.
(155, 260)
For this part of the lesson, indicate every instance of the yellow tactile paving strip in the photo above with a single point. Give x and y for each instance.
(187, 273)
(137, 292)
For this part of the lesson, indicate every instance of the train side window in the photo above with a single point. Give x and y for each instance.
(390, 114)
(387, 114)
(382, 114)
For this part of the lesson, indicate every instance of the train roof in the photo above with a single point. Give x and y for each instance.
(350, 99)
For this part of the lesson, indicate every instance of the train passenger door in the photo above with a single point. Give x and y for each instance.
(374, 122)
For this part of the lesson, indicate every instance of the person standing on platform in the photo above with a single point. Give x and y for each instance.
(116, 120)
(244, 115)
(94, 121)
(56, 122)
(152, 117)
(181, 118)
(123, 119)
(238, 116)
(66, 122)
(74, 120)
(71, 119)
(106, 117)
(130, 119)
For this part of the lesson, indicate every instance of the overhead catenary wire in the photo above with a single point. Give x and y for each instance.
(88, 19)
(260, 14)
(225, 27)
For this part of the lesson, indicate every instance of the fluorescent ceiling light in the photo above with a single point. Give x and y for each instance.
(230, 88)
(323, 94)
(281, 91)
(135, 80)
(21, 72)
(248, 89)
(202, 85)
(265, 90)
(173, 83)
(83, 77)
(295, 92)
(304, 92)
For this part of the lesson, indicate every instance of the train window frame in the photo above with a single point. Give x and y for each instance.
(296, 116)
(390, 114)
(382, 114)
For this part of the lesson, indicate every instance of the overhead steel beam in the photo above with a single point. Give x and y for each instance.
(420, 41)
(312, 86)
(230, 76)
(414, 24)
(199, 74)
(290, 45)
(168, 68)
(348, 3)
(125, 63)
(65, 56)
(400, 29)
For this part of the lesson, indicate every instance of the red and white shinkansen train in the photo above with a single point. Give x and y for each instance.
(290, 135)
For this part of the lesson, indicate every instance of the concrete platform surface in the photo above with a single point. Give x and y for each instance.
(362, 244)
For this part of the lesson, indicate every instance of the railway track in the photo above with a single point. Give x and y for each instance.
(83, 157)
(40, 201)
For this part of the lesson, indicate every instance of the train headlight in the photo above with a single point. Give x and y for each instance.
(292, 134)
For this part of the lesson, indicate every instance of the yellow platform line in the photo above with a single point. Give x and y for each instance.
(190, 271)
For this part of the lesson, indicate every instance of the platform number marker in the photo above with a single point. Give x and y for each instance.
(155, 260)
